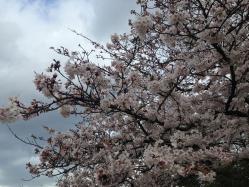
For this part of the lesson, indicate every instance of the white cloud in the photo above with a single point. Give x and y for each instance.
(28, 30)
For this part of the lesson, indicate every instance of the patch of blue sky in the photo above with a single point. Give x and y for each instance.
(43, 7)
(45, 2)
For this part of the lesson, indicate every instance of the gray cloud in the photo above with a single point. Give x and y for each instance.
(111, 16)
(15, 154)
(9, 35)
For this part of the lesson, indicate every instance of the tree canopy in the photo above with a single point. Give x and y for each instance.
(172, 104)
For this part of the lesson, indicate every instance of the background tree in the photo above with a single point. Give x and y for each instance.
(172, 104)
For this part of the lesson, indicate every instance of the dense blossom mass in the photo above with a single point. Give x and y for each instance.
(173, 102)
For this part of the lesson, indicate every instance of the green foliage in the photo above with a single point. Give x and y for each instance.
(236, 175)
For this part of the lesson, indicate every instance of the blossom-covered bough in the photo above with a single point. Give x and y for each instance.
(173, 103)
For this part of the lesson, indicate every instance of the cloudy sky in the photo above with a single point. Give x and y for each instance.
(27, 29)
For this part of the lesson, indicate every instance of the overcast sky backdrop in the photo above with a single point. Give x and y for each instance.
(27, 29)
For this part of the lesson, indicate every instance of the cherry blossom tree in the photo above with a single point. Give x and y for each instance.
(172, 103)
